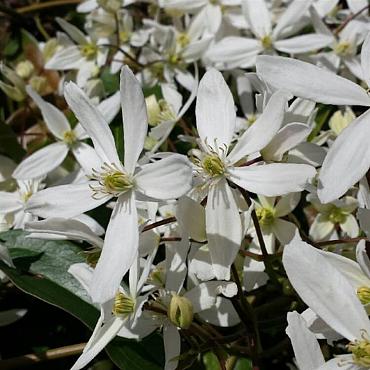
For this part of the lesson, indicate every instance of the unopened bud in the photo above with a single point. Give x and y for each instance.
(24, 69)
(180, 311)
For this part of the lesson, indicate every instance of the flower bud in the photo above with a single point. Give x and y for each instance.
(180, 311)
(363, 293)
(24, 69)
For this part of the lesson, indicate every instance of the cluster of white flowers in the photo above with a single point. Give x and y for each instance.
(263, 185)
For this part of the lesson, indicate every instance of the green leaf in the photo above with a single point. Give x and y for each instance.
(322, 117)
(243, 364)
(211, 362)
(126, 354)
(53, 262)
(9, 144)
(110, 81)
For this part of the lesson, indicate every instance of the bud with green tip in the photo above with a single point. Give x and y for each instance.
(180, 311)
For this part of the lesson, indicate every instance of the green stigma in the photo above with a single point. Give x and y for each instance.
(343, 48)
(336, 215)
(265, 216)
(117, 182)
(266, 41)
(213, 165)
(89, 51)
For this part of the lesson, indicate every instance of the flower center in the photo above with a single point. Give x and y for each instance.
(69, 137)
(363, 293)
(265, 216)
(343, 48)
(183, 39)
(336, 215)
(266, 41)
(360, 352)
(89, 51)
(213, 165)
(112, 181)
(123, 305)
(27, 195)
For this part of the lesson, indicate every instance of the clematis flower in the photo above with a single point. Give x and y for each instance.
(310, 82)
(51, 156)
(216, 166)
(329, 294)
(165, 179)
(333, 215)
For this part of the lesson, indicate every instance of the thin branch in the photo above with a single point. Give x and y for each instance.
(159, 223)
(45, 5)
(349, 18)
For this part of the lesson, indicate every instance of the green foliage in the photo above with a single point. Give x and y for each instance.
(9, 144)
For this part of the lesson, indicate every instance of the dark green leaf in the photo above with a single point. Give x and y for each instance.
(9, 144)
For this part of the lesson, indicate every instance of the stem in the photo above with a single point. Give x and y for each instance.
(339, 241)
(125, 53)
(45, 5)
(159, 223)
(349, 18)
(52, 354)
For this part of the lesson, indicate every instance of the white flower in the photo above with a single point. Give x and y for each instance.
(216, 121)
(165, 179)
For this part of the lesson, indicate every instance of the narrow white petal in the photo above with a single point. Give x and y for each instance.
(263, 130)
(306, 348)
(69, 228)
(9, 202)
(135, 120)
(296, 76)
(172, 346)
(86, 156)
(215, 113)
(339, 162)
(73, 32)
(287, 138)
(365, 59)
(42, 161)
(286, 204)
(363, 216)
(257, 16)
(93, 122)
(273, 179)
(168, 178)
(224, 229)
(55, 120)
(103, 336)
(68, 58)
(284, 230)
(291, 16)
(325, 290)
(321, 228)
(303, 43)
(82, 272)
(109, 107)
(119, 251)
(63, 201)
(350, 226)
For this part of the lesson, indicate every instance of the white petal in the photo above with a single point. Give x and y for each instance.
(325, 290)
(167, 178)
(339, 161)
(204, 295)
(341, 362)
(103, 336)
(93, 122)
(63, 201)
(9, 202)
(291, 15)
(254, 274)
(263, 130)
(303, 43)
(73, 32)
(224, 229)
(362, 258)
(321, 228)
(215, 113)
(119, 251)
(365, 59)
(350, 226)
(69, 228)
(42, 161)
(306, 348)
(135, 120)
(213, 18)
(286, 204)
(7, 167)
(172, 346)
(67, 58)
(91, 223)
(310, 82)
(273, 179)
(363, 216)
(284, 230)
(55, 120)
(86, 156)
(287, 138)
(257, 16)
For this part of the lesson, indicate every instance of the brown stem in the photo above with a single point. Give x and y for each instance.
(45, 5)
(26, 360)
(159, 223)
(125, 53)
(339, 241)
(349, 18)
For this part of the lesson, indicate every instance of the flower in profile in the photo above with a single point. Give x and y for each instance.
(168, 178)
